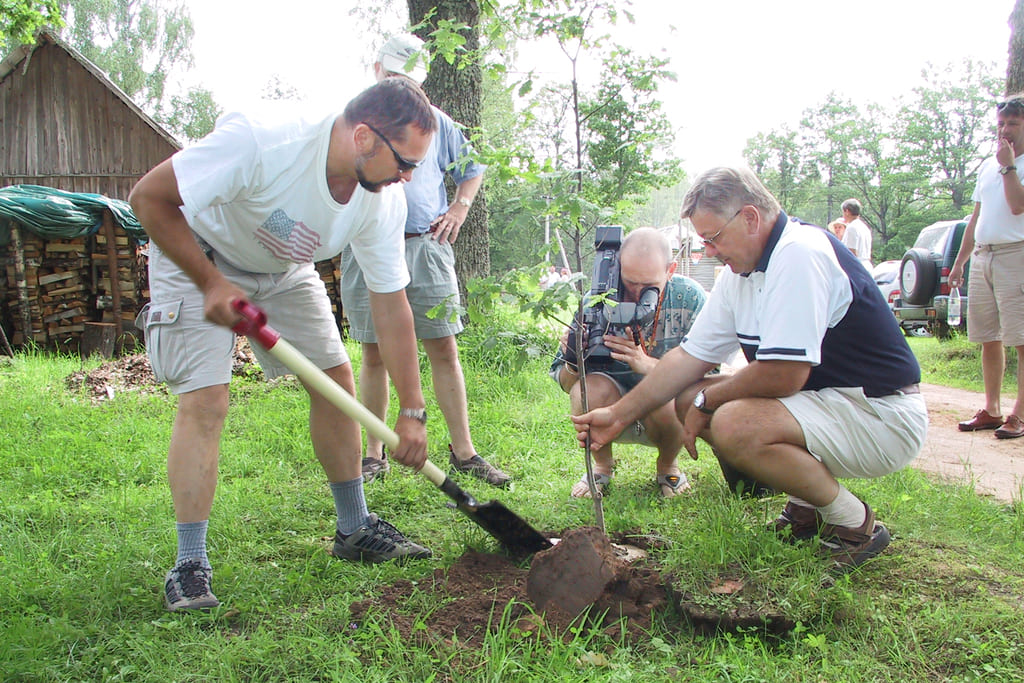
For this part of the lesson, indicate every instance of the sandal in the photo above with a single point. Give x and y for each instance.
(581, 489)
(672, 485)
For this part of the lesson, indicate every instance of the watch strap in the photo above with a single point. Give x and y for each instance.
(419, 414)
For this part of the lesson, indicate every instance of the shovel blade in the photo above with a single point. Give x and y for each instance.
(511, 530)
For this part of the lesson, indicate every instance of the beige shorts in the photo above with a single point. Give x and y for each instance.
(860, 437)
(432, 284)
(188, 352)
(995, 310)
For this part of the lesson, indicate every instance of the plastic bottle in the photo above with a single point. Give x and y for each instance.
(953, 317)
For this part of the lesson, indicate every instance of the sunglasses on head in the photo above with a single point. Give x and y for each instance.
(1014, 105)
(403, 163)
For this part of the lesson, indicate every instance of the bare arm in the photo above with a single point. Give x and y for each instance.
(956, 273)
(392, 319)
(155, 199)
(760, 379)
(448, 224)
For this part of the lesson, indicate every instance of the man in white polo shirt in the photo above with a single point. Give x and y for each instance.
(814, 403)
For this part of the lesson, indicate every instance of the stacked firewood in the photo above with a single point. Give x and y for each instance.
(67, 286)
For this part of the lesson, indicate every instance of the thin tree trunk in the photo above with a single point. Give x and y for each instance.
(1015, 63)
(457, 92)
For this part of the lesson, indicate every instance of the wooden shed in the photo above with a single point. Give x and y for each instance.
(67, 125)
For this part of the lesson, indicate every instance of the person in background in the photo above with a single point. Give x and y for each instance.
(837, 228)
(431, 229)
(995, 237)
(243, 215)
(645, 259)
(857, 236)
(814, 403)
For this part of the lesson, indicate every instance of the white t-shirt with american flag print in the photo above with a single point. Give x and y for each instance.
(256, 191)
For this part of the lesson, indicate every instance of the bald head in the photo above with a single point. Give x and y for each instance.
(645, 260)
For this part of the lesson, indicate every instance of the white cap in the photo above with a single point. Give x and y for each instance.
(397, 52)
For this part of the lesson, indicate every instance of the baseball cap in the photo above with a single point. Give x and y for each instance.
(397, 52)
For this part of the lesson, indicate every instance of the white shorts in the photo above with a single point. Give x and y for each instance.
(860, 437)
(188, 352)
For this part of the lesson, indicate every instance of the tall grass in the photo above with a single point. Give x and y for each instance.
(86, 534)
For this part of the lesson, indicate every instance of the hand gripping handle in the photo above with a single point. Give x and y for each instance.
(254, 324)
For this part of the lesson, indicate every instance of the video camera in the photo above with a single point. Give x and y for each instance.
(624, 318)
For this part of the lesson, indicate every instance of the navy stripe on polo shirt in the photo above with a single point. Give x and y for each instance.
(809, 299)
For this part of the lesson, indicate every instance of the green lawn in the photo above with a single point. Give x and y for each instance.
(86, 534)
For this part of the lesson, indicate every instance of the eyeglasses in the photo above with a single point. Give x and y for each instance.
(1013, 105)
(711, 240)
(403, 163)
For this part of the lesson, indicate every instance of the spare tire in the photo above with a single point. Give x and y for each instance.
(918, 277)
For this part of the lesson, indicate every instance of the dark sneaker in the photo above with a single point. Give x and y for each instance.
(479, 468)
(850, 548)
(376, 541)
(797, 522)
(187, 586)
(376, 467)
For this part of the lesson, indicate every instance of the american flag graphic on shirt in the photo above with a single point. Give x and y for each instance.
(286, 239)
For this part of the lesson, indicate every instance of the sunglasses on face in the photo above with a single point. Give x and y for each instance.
(403, 163)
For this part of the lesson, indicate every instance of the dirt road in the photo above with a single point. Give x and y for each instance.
(995, 466)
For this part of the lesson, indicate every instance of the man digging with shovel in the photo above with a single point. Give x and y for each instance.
(243, 215)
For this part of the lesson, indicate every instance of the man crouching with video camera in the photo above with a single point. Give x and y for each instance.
(624, 342)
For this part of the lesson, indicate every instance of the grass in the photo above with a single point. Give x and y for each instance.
(86, 534)
(956, 362)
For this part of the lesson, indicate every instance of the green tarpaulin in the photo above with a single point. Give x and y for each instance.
(56, 214)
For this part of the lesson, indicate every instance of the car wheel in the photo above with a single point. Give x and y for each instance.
(918, 277)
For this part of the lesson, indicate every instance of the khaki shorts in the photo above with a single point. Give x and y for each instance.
(635, 433)
(860, 437)
(432, 282)
(995, 310)
(188, 352)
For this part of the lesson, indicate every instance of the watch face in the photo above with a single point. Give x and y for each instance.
(698, 400)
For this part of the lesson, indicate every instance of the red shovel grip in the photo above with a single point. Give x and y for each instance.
(254, 324)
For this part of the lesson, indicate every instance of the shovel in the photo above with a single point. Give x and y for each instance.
(517, 537)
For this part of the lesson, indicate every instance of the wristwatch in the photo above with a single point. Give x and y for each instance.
(465, 202)
(700, 401)
(1003, 170)
(415, 413)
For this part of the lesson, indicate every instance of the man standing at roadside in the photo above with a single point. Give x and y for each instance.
(430, 231)
(243, 215)
(814, 403)
(995, 237)
(857, 236)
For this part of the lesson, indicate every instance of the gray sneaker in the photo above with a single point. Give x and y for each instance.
(187, 586)
(376, 467)
(479, 468)
(376, 541)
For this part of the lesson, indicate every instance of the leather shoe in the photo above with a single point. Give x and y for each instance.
(1011, 429)
(981, 420)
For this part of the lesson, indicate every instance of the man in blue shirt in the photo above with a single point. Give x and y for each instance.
(430, 230)
(814, 403)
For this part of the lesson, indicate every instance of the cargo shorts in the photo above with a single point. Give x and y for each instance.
(188, 352)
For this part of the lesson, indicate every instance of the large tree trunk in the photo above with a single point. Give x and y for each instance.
(1015, 65)
(457, 92)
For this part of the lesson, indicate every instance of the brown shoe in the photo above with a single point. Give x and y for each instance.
(981, 420)
(848, 547)
(479, 468)
(797, 522)
(1011, 429)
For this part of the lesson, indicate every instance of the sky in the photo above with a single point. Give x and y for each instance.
(743, 66)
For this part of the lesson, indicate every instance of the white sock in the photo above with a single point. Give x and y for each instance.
(800, 502)
(846, 510)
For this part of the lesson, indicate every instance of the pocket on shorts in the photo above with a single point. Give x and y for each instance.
(166, 357)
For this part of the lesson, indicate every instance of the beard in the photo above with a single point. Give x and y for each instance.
(367, 184)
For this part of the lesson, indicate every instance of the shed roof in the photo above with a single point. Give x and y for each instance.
(23, 53)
